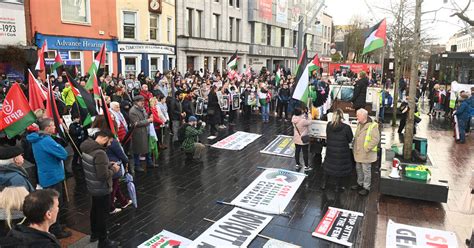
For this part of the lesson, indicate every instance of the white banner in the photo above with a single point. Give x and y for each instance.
(399, 235)
(282, 145)
(271, 191)
(237, 229)
(12, 23)
(275, 243)
(166, 239)
(145, 48)
(236, 141)
(282, 11)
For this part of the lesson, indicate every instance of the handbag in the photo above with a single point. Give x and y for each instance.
(304, 138)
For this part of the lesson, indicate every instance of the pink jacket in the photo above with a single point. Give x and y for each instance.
(303, 126)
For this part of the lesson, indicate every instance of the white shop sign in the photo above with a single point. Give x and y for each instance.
(12, 24)
(145, 48)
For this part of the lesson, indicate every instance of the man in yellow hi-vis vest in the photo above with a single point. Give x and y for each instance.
(366, 140)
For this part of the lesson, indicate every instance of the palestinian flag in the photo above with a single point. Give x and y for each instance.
(40, 63)
(315, 64)
(36, 94)
(86, 118)
(106, 113)
(301, 63)
(58, 62)
(232, 64)
(301, 92)
(16, 113)
(52, 112)
(93, 70)
(86, 96)
(278, 77)
(376, 38)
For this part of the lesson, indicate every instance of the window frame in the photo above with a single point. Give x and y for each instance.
(157, 16)
(135, 33)
(169, 28)
(88, 14)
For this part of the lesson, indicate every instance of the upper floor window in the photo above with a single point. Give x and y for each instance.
(75, 11)
(154, 24)
(129, 25)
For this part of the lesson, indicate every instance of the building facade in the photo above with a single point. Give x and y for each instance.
(462, 41)
(325, 26)
(146, 31)
(75, 29)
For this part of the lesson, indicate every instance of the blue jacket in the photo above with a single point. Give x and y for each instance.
(115, 153)
(49, 157)
(12, 175)
(464, 111)
(470, 101)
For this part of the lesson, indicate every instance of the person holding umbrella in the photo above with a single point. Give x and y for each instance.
(98, 172)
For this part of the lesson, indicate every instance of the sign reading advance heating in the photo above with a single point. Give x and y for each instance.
(237, 229)
(271, 191)
(145, 48)
(339, 226)
(75, 43)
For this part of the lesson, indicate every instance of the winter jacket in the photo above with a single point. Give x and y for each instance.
(302, 123)
(191, 137)
(365, 154)
(175, 109)
(188, 108)
(138, 117)
(49, 156)
(68, 96)
(338, 161)
(16, 176)
(30, 237)
(213, 109)
(463, 112)
(284, 95)
(115, 152)
(360, 93)
(470, 100)
(77, 132)
(97, 170)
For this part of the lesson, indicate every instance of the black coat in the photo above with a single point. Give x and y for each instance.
(360, 93)
(213, 109)
(338, 161)
(28, 237)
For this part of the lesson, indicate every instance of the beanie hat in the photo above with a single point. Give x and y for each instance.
(7, 152)
(192, 118)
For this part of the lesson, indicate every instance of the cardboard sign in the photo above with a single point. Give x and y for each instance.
(282, 145)
(317, 129)
(271, 191)
(236, 141)
(237, 229)
(339, 226)
(399, 235)
(166, 239)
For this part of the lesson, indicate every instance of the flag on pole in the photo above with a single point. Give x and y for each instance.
(93, 70)
(40, 62)
(53, 113)
(58, 62)
(232, 64)
(36, 94)
(16, 113)
(278, 76)
(302, 88)
(76, 71)
(106, 112)
(376, 38)
(85, 95)
(315, 64)
(86, 117)
(301, 63)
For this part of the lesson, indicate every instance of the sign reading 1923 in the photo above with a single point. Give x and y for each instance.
(9, 29)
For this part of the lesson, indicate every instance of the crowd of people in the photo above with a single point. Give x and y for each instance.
(176, 109)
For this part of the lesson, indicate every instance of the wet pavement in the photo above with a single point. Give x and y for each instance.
(177, 196)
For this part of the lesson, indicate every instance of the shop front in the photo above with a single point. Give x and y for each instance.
(78, 53)
(149, 58)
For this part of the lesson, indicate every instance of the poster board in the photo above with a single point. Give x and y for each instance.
(399, 235)
(282, 145)
(166, 239)
(237, 141)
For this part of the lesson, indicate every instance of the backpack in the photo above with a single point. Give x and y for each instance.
(182, 132)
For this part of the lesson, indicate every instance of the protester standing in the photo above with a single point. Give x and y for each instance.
(300, 129)
(140, 120)
(360, 91)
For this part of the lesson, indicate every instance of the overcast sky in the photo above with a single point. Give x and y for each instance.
(442, 28)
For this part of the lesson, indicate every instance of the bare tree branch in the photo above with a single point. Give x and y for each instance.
(461, 15)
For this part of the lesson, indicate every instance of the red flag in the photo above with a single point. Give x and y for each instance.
(101, 56)
(40, 63)
(106, 112)
(96, 87)
(16, 114)
(36, 94)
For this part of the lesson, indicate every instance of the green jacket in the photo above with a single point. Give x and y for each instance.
(68, 96)
(191, 137)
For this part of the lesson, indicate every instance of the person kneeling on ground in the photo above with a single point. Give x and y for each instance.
(366, 140)
(41, 210)
(191, 145)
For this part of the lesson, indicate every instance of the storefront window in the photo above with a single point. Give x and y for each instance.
(75, 11)
(74, 55)
(155, 65)
(129, 25)
(50, 55)
(130, 65)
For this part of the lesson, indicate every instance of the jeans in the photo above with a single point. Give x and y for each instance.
(136, 159)
(176, 125)
(462, 130)
(364, 175)
(247, 111)
(265, 112)
(305, 154)
(98, 216)
(282, 108)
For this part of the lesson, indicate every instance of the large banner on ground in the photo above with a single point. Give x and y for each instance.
(236, 141)
(282, 145)
(399, 235)
(339, 226)
(271, 191)
(166, 239)
(237, 229)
